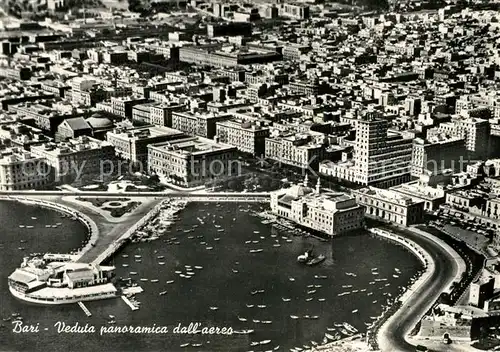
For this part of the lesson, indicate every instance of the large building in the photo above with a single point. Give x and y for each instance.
(380, 159)
(198, 124)
(19, 170)
(475, 131)
(324, 211)
(481, 290)
(248, 137)
(161, 114)
(295, 11)
(192, 161)
(132, 143)
(229, 29)
(78, 158)
(123, 106)
(390, 206)
(202, 56)
(437, 154)
(422, 192)
(299, 150)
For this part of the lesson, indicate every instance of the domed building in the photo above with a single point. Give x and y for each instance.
(320, 210)
(100, 124)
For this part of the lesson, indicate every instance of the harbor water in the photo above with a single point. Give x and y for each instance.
(219, 265)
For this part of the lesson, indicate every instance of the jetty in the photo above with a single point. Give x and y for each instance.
(85, 309)
(129, 303)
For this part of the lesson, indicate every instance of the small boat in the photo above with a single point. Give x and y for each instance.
(249, 305)
(355, 311)
(125, 265)
(125, 255)
(266, 322)
(286, 299)
(161, 263)
(185, 345)
(137, 256)
(265, 342)
(133, 273)
(155, 280)
(214, 308)
(261, 306)
(291, 279)
(162, 293)
(198, 267)
(309, 299)
(256, 250)
(196, 345)
(34, 218)
(21, 226)
(235, 271)
(321, 299)
(242, 319)
(256, 321)
(170, 281)
(276, 245)
(160, 257)
(30, 226)
(311, 292)
(330, 337)
(294, 317)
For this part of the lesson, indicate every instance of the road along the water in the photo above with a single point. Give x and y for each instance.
(447, 266)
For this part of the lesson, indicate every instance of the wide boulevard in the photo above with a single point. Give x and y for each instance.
(393, 336)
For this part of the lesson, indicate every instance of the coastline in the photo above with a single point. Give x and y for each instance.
(92, 229)
(384, 334)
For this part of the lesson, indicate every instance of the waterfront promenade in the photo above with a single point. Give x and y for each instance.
(447, 266)
(199, 196)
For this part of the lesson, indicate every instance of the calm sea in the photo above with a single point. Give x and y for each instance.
(219, 294)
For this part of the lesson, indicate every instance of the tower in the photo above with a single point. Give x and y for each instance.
(318, 186)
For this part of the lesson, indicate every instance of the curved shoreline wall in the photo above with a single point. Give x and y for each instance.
(429, 264)
(91, 226)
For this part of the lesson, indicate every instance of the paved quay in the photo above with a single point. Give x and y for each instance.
(447, 267)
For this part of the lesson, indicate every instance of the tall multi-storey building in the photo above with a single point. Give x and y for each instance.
(192, 161)
(324, 211)
(161, 114)
(132, 143)
(248, 137)
(20, 170)
(436, 154)
(77, 158)
(381, 158)
(198, 124)
(295, 11)
(123, 106)
(476, 133)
